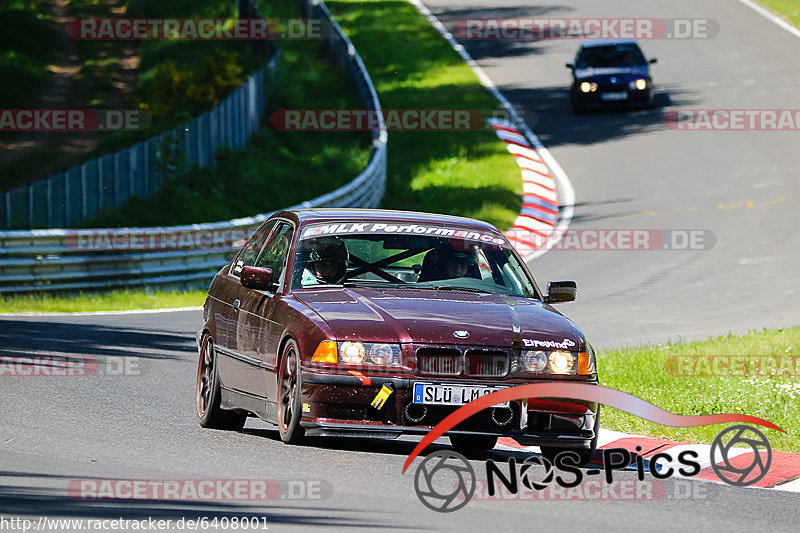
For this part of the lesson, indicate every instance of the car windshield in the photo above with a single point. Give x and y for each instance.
(443, 259)
(617, 55)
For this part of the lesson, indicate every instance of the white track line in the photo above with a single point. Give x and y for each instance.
(95, 313)
(565, 188)
(792, 486)
(763, 11)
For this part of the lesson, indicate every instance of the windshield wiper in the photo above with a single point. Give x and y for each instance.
(370, 283)
(457, 288)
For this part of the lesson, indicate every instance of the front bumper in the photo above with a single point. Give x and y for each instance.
(594, 100)
(339, 405)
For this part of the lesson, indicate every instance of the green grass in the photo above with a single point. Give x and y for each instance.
(788, 9)
(117, 300)
(413, 67)
(642, 372)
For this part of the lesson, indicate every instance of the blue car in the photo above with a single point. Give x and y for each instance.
(611, 73)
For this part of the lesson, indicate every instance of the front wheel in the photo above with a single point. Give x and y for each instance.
(473, 443)
(289, 388)
(209, 413)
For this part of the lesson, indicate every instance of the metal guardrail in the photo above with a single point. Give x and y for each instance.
(105, 182)
(62, 259)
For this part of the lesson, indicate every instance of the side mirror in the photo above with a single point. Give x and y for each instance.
(570, 66)
(653, 61)
(257, 278)
(561, 292)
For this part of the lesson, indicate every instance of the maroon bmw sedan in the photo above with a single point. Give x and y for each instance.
(381, 323)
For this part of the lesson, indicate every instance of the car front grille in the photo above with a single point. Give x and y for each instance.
(486, 363)
(613, 87)
(439, 361)
(472, 362)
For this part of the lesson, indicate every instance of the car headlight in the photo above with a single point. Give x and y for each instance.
(640, 84)
(588, 87)
(561, 362)
(533, 361)
(556, 362)
(379, 354)
(351, 353)
(384, 354)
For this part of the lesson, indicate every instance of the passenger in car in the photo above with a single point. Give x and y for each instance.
(447, 263)
(327, 262)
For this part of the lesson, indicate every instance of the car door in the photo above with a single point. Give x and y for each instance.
(258, 334)
(234, 370)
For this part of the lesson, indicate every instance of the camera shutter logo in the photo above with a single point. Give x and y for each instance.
(454, 487)
(724, 443)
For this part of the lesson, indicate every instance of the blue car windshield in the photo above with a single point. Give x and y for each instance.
(617, 55)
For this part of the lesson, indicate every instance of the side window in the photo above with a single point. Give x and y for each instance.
(248, 255)
(273, 256)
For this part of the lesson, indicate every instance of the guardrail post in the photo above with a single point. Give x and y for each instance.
(30, 204)
(83, 191)
(132, 170)
(66, 200)
(199, 138)
(50, 202)
(213, 133)
(115, 178)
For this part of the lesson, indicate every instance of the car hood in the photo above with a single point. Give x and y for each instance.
(431, 317)
(623, 74)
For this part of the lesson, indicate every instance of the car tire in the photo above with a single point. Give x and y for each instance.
(585, 454)
(209, 413)
(468, 444)
(289, 395)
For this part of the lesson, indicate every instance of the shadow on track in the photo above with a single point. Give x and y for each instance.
(26, 337)
(387, 446)
(547, 112)
(30, 501)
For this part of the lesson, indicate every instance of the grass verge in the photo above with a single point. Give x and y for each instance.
(118, 300)
(788, 9)
(643, 372)
(467, 173)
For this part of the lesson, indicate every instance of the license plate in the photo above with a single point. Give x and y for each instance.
(451, 394)
(614, 96)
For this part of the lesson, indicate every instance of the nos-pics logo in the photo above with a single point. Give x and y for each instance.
(445, 481)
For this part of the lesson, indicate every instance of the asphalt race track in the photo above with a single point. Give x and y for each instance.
(140, 425)
(630, 171)
(134, 418)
